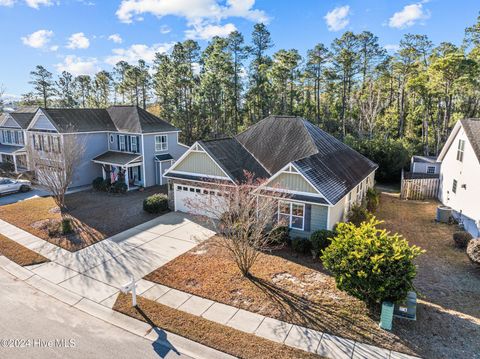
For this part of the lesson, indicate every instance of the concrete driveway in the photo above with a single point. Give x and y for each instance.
(19, 196)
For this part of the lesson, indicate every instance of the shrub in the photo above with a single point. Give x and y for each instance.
(370, 263)
(120, 187)
(461, 239)
(372, 199)
(7, 167)
(358, 214)
(473, 250)
(53, 229)
(155, 203)
(66, 225)
(320, 240)
(98, 184)
(301, 245)
(279, 235)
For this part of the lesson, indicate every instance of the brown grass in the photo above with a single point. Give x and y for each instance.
(95, 215)
(217, 336)
(18, 253)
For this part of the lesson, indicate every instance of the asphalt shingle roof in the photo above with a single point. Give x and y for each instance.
(117, 158)
(472, 130)
(23, 116)
(137, 120)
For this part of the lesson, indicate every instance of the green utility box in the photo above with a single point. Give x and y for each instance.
(407, 309)
(386, 318)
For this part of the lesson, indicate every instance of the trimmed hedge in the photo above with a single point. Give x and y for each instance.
(320, 240)
(120, 187)
(156, 203)
(461, 239)
(301, 245)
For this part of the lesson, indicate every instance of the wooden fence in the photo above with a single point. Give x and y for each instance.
(419, 188)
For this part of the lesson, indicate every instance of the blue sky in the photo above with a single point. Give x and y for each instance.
(84, 36)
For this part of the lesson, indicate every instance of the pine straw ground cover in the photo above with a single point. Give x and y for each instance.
(298, 290)
(18, 253)
(95, 215)
(214, 335)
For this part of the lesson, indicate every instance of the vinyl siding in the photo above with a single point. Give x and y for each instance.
(43, 123)
(318, 220)
(10, 122)
(293, 182)
(201, 163)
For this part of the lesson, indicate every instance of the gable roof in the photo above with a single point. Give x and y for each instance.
(472, 130)
(234, 159)
(424, 159)
(330, 165)
(23, 116)
(137, 120)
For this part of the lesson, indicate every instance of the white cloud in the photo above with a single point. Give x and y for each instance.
(54, 48)
(136, 52)
(408, 16)
(38, 39)
(337, 19)
(165, 29)
(7, 2)
(116, 38)
(78, 66)
(205, 32)
(78, 41)
(36, 3)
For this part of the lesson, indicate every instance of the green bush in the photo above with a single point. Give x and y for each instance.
(301, 245)
(280, 235)
(461, 239)
(370, 263)
(358, 214)
(372, 199)
(98, 184)
(66, 226)
(120, 187)
(321, 240)
(155, 203)
(53, 229)
(473, 250)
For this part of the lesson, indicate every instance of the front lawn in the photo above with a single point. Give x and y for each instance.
(18, 253)
(95, 215)
(298, 290)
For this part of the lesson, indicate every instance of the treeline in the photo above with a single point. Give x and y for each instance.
(353, 88)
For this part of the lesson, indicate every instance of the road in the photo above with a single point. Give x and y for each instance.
(29, 314)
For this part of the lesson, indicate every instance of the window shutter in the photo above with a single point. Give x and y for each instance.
(118, 142)
(138, 144)
(308, 217)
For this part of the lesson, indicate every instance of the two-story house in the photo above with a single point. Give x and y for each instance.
(123, 140)
(460, 174)
(13, 127)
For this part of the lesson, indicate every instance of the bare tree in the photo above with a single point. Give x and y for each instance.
(369, 105)
(55, 159)
(245, 216)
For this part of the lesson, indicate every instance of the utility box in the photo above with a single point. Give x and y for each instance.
(407, 309)
(386, 317)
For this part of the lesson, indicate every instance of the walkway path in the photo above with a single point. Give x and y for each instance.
(89, 279)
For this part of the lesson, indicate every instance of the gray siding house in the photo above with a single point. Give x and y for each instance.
(119, 141)
(321, 175)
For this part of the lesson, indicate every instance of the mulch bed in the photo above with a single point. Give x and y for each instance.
(95, 216)
(19, 254)
(217, 336)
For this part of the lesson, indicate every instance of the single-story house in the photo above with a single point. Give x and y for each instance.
(460, 174)
(322, 176)
(425, 165)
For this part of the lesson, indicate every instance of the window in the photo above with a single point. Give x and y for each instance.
(121, 142)
(161, 143)
(112, 138)
(461, 148)
(179, 188)
(454, 186)
(133, 144)
(431, 170)
(12, 137)
(292, 213)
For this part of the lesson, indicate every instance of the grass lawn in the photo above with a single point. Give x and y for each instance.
(96, 215)
(298, 290)
(18, 253)
(214, 335)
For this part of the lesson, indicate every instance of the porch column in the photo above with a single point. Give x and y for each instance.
(104, 174)
(126, 177)
(15, 163)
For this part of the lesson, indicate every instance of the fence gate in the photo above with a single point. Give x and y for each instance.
(419, 188)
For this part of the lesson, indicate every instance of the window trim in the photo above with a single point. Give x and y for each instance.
(291, 215)
(121, 141)
(133, 140)
(161, 143)
(460, 149)
(454, 186)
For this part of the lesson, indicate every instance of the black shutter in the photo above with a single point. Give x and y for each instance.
(129, 144)
(118, 142)
(308, 217)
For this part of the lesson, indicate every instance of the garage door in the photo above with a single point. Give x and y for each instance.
(195, 200)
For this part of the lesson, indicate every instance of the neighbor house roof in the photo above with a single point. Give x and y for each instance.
(234, 159)
(117, 158)
(24, 115)
(79, 119)
(330, 165)
(8, 149)
(472, 130)
(137, 120)
(424, 159)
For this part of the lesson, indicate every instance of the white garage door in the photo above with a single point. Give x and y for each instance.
(198, 200)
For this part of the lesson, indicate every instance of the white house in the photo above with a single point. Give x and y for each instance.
(460, 174)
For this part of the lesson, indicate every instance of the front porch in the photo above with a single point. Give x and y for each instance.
(124, 167)
(16, 156)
